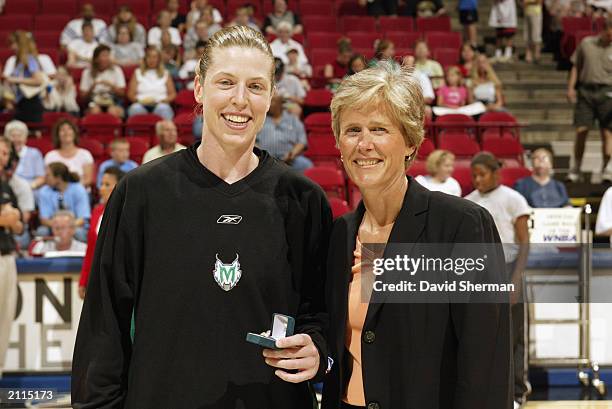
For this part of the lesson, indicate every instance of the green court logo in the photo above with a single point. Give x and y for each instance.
(227, 275)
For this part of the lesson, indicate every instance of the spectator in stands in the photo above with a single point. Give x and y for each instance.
(289, 88)
(486, 87)
(243, 18)
(188, 70)
(103, 84)
(466, 60)
(540, 189)
(356, 63)
(503, 19)
(151, 88)
(337, 70)
(120, 159)
(27, 80)
(603, 226)
(283, 136)
(201, 7)
(31, 166)
(63, 94)
(20, 187)
(468, 17)
(63, 192)
(167, 135)
(197, 33)
(454, 94)
(440, 166)
(65, 137)
(178, 20)
(590, 87)
(424, 81)
(111, 176)
(429, 8)
(46, 63)
(63, 230)
(282, 14)
(510, 212)
(284, 43)
(426, 65)
(74, 28)
(301, 70)
(384, 50)
(126, 18)
(10, 223)
(125, 51)
(164, 21)
(80, 50)
(378, 8)
(533, 29)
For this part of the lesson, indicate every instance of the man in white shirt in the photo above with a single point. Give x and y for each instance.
(63, 227)
(166, 132)
(284, 43)
(73, 29)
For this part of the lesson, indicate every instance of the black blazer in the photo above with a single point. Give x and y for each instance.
(422, 356)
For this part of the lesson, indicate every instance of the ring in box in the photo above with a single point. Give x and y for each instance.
(282, 326)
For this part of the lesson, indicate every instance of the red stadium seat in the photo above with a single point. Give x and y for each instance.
(101, 7)
(319, 23)
(503, 123)
(387, 23)
(5, 53)
(128, 71)
(463, 175)
(331, 180)
(441, 23)
(16, 22)
(139, 7)
(322, 40)
(47, 39)
(363, 40)
(351, 8)
(573, 24)
(43, 145)
(94, 147)
(183, 6)
(509, 176)
(184, 124)
(184, 101)
(53, 22)
(30, 7)
(338, 206)
(318, 122)
(425, 149)
(446, 56)
(50, 119)
(53, 53)
(320, 57)
(322, 150)
(317, 8)
(401, 39)
(362, 23)
(436, 40)
(318, 99)
(101, 124)
(417, 168)
(462, 145)
(67, 7)
(138, 147)
(454, 123)
(142, 125)
(504, 148)
(76, 74)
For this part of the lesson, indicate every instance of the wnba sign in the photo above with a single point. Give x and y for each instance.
(555, 226)
(45, 325)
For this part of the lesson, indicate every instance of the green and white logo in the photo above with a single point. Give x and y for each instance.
(227, 275)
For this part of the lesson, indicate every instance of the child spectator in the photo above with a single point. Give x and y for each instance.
(300, 69)
(63, 94)
(466, 60)
(454, 94)
(120, 159)
(503, 19)
(337, 70)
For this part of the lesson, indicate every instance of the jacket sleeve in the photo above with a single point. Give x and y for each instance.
(483, 331)
(312, 318)
(103, 345)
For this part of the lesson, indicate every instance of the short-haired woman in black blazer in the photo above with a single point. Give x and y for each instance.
(404, 355)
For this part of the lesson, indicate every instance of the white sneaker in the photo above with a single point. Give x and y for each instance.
(498, 54)
(573, 176)
(508, 53)
(517, 405)
(606, 175)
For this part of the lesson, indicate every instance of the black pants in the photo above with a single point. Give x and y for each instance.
(382, 7)
(29, 109)
(344, 405)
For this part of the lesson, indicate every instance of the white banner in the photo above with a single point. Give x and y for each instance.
(555, 225)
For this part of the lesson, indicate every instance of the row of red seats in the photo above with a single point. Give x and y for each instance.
(575, 29)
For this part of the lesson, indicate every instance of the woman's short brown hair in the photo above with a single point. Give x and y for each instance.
(56, 128)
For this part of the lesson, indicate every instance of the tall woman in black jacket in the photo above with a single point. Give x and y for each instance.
(387, 355)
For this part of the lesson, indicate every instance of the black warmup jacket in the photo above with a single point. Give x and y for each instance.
(422, 356)
(165, 229)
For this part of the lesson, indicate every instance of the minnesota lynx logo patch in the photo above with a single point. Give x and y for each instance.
(227, 275)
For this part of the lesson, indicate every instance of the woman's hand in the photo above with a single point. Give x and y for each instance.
(298, 353)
